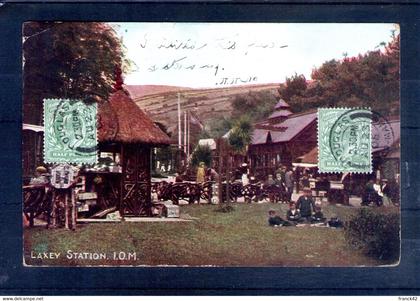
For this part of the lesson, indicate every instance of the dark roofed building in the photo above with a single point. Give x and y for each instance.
(281, 139)
(385, 150)
(285, 138)
(281, 112)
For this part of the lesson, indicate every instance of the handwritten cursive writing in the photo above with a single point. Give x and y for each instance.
(236, 80)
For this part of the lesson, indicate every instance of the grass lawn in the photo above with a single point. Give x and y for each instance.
(238, 238)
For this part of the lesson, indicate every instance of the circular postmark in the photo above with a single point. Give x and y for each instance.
(356, 134)
(350, 139)
(74, 126)
(383, 136)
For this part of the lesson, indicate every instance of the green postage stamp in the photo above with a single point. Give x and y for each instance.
(344, 140)
(70, 131)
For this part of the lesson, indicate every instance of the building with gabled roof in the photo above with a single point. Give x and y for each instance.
(281, 138)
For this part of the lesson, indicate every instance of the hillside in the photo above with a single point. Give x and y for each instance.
(160, 102)
(138, 91)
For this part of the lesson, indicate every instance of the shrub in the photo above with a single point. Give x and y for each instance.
(376, 233)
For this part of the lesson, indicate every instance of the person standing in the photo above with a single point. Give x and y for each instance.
(305, 180)
(368, 194)
(386, 193)
(282, 172)
(379, 195)
(298, 173)
(201, 172)
(244, 179)
(305, 204)
(289, 183)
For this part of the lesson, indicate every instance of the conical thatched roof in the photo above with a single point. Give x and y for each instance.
(121, 120)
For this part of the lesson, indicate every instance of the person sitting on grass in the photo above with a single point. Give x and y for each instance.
(318, 216)
(334, 222)
(293, 214)
(305, 204)
(273, 219)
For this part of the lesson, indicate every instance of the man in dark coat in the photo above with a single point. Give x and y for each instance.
(281, 172)
(273, 219)
(306, 204)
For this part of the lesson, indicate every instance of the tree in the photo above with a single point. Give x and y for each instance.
(295, 85)
(202, 153)
(240, 135)
(257, 105)
(68, 59)
(367, 80)
(218, 127)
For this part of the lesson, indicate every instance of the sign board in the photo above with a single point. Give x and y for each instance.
(87, 195)
(63, 176)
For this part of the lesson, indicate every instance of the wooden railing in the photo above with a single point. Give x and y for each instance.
(196, 192)
(37, 200)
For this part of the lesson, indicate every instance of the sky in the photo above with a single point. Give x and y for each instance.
(200, 55)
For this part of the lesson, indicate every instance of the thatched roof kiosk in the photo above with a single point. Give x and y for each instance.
(125, 129)
(121, 120)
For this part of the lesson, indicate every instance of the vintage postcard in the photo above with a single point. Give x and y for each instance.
(211, 144)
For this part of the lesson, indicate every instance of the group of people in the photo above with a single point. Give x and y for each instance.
(305, 210)
(284, 178)
(380, 193)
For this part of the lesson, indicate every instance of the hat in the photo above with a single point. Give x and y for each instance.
(271, 210)
(244, 164)
(41, 169)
